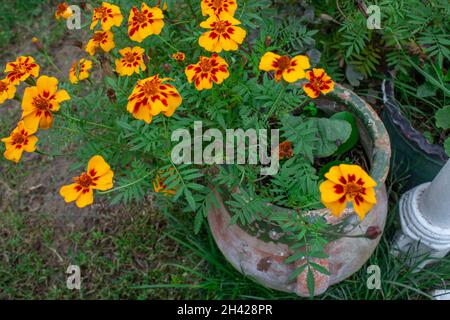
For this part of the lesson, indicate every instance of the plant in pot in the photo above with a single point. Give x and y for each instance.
(410, 50)
(288, 226)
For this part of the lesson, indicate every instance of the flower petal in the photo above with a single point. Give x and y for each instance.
(70, 192)
(97, 166)
(336, 207)
(86, 198)
(335, 175)
(330, 191)
(267, 61)
(361, 207)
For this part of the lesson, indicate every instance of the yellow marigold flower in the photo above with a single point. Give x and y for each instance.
(348, 183)
(132, 61)
(217, 7)
(146, 22)
(159, 186)
(21, 139)
(319, 82)
(80, 70)
(99, 176)
(179, 56)
(63, 11)
(207, 71)
(34, 40)
(224, 34)
(21, 69)
(289, 69)
(151, 96)
(40, 101)
(101, 39)
(7, 90)
(109, 15)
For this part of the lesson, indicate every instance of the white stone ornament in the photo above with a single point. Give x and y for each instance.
(425, 221)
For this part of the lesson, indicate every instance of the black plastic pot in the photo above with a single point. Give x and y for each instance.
(412, 154)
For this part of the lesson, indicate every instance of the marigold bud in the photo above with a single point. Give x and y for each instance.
(167, 67)
(78, 44)
(83, 4)
(111, 95)
(146, 59)
(285, 150)
(268, 41)
(373, 232)
(179, 56)
(38, 45)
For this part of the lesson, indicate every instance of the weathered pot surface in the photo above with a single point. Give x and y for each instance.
(263, 260)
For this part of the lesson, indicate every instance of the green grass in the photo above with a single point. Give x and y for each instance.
(10, 25)
(140, 252)
(217, 279)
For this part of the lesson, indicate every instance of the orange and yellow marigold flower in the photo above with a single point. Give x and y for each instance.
(21, 139)
(284, 67)
(207, 71)
(99, 176)
(21, 70)
(179, 56)
(159, 186)
(80, 70)
(348, 183)
(132, 61)
(40, 101)
(218, 7)
(100, 39)
(63, 11)
(108, 14)
(319, 82)
(7, 90)
(224, 34)
(144, 23)
(151, 96)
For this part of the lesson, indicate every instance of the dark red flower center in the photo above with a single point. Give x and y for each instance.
(41, 103)
(221, 26)
(217, 4)
(62, 7)
(129, 57)
(151, 87)
(99, 36)
(18, 138)
(84, 180)
(205, 65)
(101, 12)
(284, 62)
(140, 17)
(353, 189)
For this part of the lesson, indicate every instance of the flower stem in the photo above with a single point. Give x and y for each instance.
(85, 121)
(277, 101)
(127, 185)
(167, 43)
(52, 155)
(44, 52)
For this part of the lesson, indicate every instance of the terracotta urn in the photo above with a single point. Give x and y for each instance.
(262, 257)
